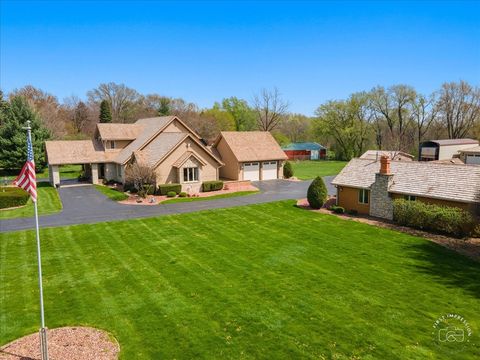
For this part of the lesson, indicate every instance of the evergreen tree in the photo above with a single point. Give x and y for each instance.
(317, 193)
(105, 112)
(164, 108)
(13, 138)
(287, 170)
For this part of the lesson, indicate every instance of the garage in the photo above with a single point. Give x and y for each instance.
(251, 171)
(473, 159)
(269, 170)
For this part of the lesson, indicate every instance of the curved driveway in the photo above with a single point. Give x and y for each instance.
(85, 205)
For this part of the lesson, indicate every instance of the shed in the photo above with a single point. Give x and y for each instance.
(471, 155)
(305, 151)
(444, 149)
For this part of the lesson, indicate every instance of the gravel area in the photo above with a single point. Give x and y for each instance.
(72, 343)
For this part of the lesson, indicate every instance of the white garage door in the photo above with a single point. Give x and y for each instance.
(473, 159)
(251, 171)
(269, 170)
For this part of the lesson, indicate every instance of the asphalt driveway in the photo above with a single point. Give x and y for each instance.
(85, 205)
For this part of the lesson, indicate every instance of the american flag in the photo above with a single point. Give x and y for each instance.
(27, 179)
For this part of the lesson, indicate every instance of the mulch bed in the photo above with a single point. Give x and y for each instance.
(469, 247)
(72, 343)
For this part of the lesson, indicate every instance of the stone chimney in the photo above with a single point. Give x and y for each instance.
(381, 204)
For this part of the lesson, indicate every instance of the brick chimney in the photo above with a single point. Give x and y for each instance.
(385, 165)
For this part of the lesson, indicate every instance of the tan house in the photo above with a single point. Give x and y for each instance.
(444, 149)
(471, 155)
(170, 147)
(249, 155)
(393, 155)
(370, 187)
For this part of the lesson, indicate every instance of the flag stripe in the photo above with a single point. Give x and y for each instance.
(27, 179)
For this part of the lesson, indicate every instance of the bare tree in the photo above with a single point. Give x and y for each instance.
(296, 127)
(122, 99)
(140, 176)
(424, 112)
(459, 108)
(270, 109)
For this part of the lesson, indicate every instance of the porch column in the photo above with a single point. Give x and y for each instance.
(94, 173)
(54, 174)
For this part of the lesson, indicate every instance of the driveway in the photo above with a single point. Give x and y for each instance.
(85, 205)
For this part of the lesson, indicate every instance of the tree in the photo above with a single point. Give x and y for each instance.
(287, 170)
(270, 109)
(296, 127)
(164, 107)
(140, 177)
(122, 99)
(13, 138)
(424, 111)
(459, 108)
(317, 193)
(105, 113)
(243, 115)
(80, 117)
(224, 119)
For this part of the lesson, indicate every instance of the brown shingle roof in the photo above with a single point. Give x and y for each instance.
(472, 150)
(253, 145)
(440, 181)
(394, 155)
(182, 159)
(159, 147)
(63, 152)
(119, 131)
(446, 142)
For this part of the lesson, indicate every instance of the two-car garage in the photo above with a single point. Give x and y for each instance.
(266, 170)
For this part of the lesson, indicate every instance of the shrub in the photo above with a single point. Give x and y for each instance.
(12, 196)
(212, 185)
(443, 219)
(337, 209)
(183, 194)
(317, 193)
(287, 170)
(146, 189)
(165, 188)
(171, 194)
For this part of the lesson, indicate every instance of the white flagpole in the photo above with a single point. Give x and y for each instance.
(43, 331)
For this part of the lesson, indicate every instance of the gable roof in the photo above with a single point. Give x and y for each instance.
(159, 147)
(182, 159)
(119, 131)
(63, 152)
(252, 145)
(303, 146)
(447, 142)
(440, 181)
(472, 150)
(376, 154)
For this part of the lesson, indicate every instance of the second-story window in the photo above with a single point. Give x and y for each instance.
(112, 144)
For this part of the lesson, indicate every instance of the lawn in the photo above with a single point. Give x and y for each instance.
(310, 169)
(268, 281)
(66, 172)
(213, 197)
(48, 203)
(113, 194)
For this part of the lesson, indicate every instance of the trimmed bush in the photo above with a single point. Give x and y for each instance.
(287, 170)
(212, 185)
(183, 194)
(165, 188)
(337, 209)
(171, 194)
(444, 219)
(12, 197)
(317, 193)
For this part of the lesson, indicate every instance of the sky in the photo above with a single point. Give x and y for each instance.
(205, 51)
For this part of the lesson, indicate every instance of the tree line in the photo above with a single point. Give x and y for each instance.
(393, 118)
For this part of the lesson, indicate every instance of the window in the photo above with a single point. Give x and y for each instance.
(112, 144)
(190, 174)
(363, 196)
(410, 197)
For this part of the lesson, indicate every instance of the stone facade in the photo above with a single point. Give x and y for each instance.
(381, 203)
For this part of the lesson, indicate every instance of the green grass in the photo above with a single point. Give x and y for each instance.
(66, 172)
(310, 169)
(48, 203)
(266, 281)
(113, 194)
(213, 197)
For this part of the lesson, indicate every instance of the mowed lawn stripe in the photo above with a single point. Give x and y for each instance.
(263, 281)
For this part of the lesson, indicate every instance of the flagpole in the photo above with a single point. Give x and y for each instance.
(43, 331)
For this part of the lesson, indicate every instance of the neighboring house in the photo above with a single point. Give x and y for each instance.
(249, 155)
(470, 156)
(305, 151)
(444, 149)
(173, 150)
(370, 187)
(392, 155)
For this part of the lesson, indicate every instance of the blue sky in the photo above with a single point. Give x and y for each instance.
(204, 51)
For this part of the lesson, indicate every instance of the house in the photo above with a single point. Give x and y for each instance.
(369, 187)
(166, 144)
(392, 155)
(471, 155)
(444, 149)
(305, 151)
(249, 155)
